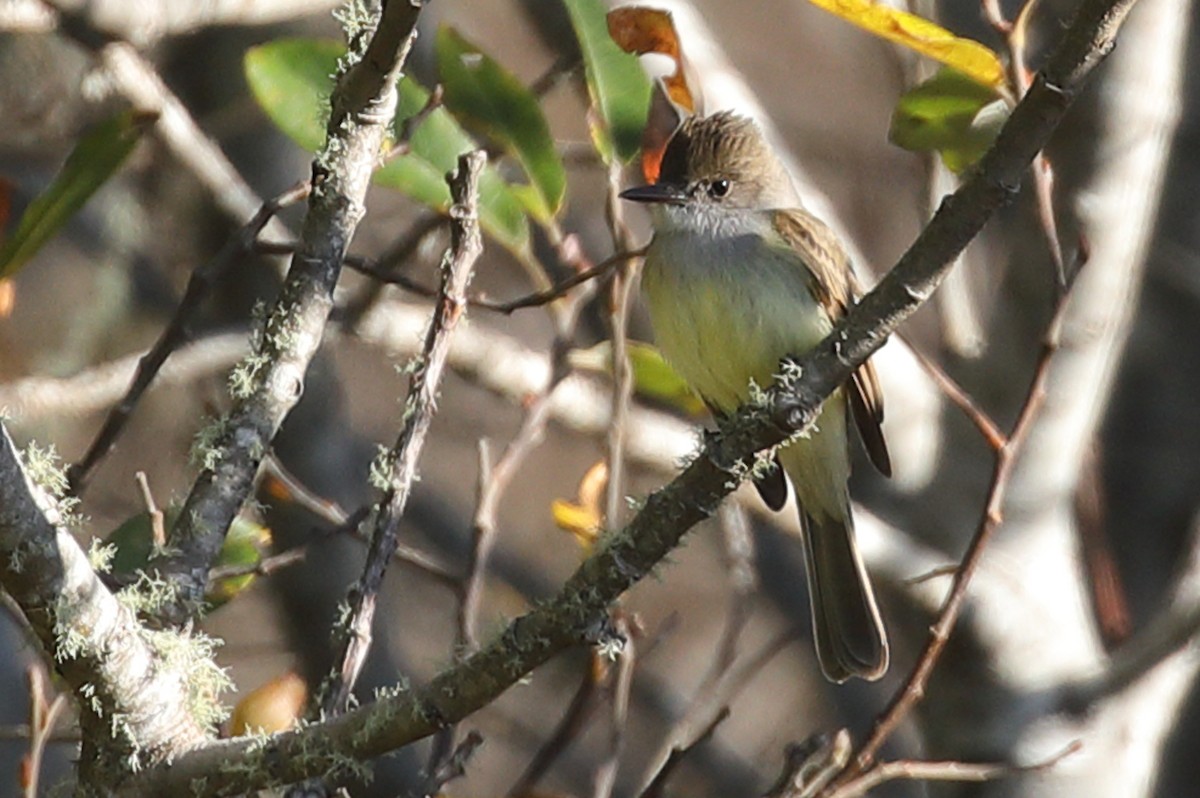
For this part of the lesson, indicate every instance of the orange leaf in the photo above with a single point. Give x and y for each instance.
(8, 297)
(917, 33)
(274, 707)
(641, 30)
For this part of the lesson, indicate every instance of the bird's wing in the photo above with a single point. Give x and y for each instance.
(834, 286)
(772, 484)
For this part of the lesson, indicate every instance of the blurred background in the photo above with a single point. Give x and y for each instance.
(1097, 549)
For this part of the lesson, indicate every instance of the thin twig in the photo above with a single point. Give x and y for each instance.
(396, 257)
(43, 716)
(622, 685)
(454, 765)
(622, 370)
(659, 783)
(483, 531)
(264, 567)
(457, 269)
(158, 532)
(909, 769)
(959, 397)
(569, 727)
(1020, 76)
(536, 299)
(403, 143)
(178, 331)
(1006, 456)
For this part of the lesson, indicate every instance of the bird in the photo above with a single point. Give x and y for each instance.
(737, 278)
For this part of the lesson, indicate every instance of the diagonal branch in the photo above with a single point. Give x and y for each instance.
(270, 381)
(624, 558)
(465, 248)
(95, 643)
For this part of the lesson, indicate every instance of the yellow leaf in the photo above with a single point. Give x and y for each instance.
(585, 519)
(919, 34)
(580, 521)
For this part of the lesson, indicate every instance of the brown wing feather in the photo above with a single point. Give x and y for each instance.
(835, 287)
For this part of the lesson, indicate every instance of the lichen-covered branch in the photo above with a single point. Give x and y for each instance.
(132, 706)
(268, 384)
(466, 245)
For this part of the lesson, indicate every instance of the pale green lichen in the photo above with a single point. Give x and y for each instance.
(244, 378)
(192, 654)
(100, 555)
(44, 467)
(380, 474)
(148, 594)
(206, 445)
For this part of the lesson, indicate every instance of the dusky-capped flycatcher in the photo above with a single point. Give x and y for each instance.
(737, 278)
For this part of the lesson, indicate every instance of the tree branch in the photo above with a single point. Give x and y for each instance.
(95, 643)
(272, 379)
(623, 558)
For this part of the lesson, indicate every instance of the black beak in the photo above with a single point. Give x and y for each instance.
(656, 192)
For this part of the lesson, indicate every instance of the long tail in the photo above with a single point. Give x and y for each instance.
(848, 630)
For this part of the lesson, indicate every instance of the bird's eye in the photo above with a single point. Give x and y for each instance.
(718, 188)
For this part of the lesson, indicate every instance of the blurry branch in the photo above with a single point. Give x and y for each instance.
(1006, 455)
(399, 717)
(621, 647)
(457, 268)
(658, 784)
(909, 769)
(622, 370)
(97, 645)
(271, 380)
(569, 727)
(1015, 36)
(43, 715)
(144, 22)
(178, 331)
(536, 299)
(37, 398)
(136, 79)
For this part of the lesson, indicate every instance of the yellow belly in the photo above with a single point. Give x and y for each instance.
(725, 315)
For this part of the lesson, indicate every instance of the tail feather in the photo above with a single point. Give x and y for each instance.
(849, 633)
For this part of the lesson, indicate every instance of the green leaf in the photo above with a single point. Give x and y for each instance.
(244, 545)
(952, 114)
(653, 377)
(94, 160)
(618, 87)
(490, 100)
(292, 80)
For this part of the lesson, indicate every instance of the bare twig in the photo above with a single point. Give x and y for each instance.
(43, 715)
(1006, 457)
(536, 299)
(457, 269)
(1020, 77)
(944, 771)
(960, 398)
(178, 331)
(453, 766)
(678, 753)
(157, 532)
(622, 370)
(569, 727)
(622, 684)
